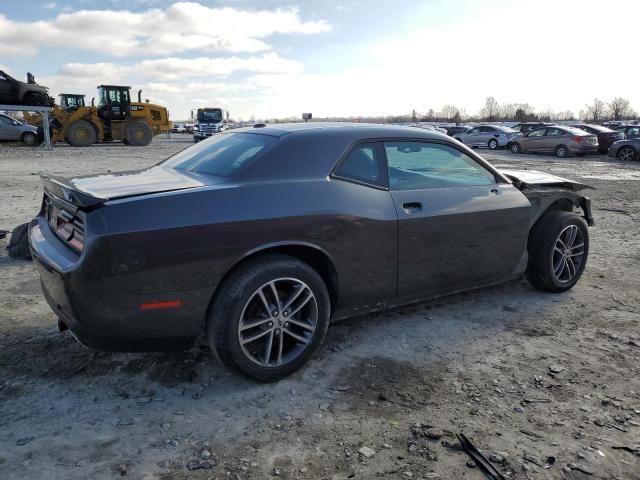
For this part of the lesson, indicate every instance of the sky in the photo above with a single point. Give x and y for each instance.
(276, 59)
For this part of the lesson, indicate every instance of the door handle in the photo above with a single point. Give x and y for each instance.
(412, 207)
(495, 191)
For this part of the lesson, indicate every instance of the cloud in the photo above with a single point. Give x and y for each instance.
(180, 27)
(49, 5)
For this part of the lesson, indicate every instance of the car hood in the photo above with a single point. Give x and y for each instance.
(533, 178)
(138, 182)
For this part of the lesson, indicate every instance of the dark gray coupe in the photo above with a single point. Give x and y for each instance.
(258, 238)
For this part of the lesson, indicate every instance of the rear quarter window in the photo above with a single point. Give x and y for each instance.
(224, 155)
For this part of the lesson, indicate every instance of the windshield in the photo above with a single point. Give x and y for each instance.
(210, 116)
(224, 155)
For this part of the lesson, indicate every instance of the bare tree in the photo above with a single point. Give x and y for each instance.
(596, 110)
(449, 112)
(620, 108)
(490, 109)
(414, 116)
(508, 111)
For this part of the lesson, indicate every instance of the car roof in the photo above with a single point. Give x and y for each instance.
(353, 130)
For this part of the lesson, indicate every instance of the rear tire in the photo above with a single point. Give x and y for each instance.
(562, 151)
(29, 138)
(139, 134)
(243, 299)
(627, 154)
(558, 250)
(81, 134)
(493, 144)
(516, 148)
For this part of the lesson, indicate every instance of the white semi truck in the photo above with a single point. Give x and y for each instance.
(207, 121)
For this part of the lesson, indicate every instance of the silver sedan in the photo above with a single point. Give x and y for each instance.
(488, 136)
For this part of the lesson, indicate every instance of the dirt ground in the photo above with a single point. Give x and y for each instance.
(535, 380)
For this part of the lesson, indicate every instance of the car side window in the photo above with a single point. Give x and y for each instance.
(4, 121)
(537, 133)
(633, 131)
(421, 165)
(363, 164)
(554, 132)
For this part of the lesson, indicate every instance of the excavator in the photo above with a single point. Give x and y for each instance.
(115, 119)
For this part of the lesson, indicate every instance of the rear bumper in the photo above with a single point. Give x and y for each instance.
(96, 311)
(584, 149)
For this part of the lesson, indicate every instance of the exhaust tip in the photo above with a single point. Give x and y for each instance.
(62, 326)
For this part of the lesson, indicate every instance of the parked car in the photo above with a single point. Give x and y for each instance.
(490, 136)
(257, 238)
(452, 131)
(605, 135)
(15, 92)
(426, 126)
(14, 130)
(561, 141)
(629, 131)
(178, 128)
(626, 150)
(526, 127)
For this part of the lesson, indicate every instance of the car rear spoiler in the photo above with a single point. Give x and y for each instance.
(63, 189)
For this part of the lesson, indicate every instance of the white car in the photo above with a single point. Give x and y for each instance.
(489, 136)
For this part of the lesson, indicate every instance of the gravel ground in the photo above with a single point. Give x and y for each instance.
(534, 379)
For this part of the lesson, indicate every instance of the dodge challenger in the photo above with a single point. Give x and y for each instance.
(255, 239)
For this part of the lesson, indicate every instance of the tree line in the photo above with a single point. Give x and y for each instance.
(618, 108)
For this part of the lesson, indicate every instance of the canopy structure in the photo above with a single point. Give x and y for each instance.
(45, 118)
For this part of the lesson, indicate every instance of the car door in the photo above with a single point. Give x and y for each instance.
(6, 89)
(533, 141)
(470, 137)
(552, 138)
(486, 134)
(6, 128)
(459, 223)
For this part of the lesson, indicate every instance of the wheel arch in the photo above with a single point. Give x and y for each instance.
(565, 202)
(313, 255)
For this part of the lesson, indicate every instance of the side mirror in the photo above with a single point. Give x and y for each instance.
(14, 123)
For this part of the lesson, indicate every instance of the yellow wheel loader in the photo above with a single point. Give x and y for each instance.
(115, 119)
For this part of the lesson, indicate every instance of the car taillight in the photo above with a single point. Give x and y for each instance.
(69, 233)
(577, 139)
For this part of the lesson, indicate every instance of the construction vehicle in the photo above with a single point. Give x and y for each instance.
(206, 122)
(71, 101)
(115, 118)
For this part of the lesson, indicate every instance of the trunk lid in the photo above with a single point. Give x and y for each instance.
(89, 191)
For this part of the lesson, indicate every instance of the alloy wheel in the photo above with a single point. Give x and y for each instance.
(278, 322)
(561, 151)
(515, 148)
(493, 144)
(568, 254)
(626, 154)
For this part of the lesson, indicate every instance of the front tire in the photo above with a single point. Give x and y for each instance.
(516, 148)
(269, 317)
(139, 134)
(558, 250)
(81, 134)
(627, 153)
(29, 138)
(493, 144)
